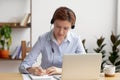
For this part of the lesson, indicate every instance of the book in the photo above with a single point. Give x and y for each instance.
(15, 53)
(18, 56)
(25, 19)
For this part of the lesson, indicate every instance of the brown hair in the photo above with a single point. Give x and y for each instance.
(64, 13)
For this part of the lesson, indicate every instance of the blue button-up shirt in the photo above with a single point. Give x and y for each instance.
(52, 53)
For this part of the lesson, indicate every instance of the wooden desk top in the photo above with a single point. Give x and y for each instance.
(18, 76)
(10, 76)
(117, 77)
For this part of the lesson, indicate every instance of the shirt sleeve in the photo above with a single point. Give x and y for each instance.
(31, 57)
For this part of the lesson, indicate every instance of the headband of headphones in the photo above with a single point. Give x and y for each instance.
(68, 13)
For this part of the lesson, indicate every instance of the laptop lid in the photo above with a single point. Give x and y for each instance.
(81, 66)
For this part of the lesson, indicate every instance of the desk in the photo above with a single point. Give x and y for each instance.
(117, 77)
(10, 76)
(18, 76)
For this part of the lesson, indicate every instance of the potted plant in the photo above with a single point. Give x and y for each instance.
(114, 58)
(5, 40)
(99, 49)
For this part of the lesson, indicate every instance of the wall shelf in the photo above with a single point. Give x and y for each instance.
(15, 25)
(9, 59)
(21, 34)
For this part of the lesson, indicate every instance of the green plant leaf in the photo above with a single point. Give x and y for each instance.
(117, 43)
(97, 50)
(113, 57)
(100, 41)
(114, 48)
(113, 38)
(83, 42)
(103, 52)
(103, 56)
(101, 47)
(117, 63)
(5, 35)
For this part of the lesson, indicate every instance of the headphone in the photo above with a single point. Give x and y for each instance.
(68, 13)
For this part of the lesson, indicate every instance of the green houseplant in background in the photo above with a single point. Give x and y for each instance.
(83, 42)
(99, 49)
(5, 40)
(114, 57)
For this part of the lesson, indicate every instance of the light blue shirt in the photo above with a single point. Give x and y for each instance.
(52, 53)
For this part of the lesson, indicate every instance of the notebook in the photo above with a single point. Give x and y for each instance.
(44, 77)
(81, 66)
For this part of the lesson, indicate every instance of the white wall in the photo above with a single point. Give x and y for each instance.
(8, 11)
(95, 18)
(118, 22)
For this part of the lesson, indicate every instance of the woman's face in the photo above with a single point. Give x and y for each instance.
(61, 28)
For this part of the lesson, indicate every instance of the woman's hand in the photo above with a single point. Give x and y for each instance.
(36, 71)
(53, 70)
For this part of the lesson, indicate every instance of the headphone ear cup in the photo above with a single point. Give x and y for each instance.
(52, 21)
(73, 26)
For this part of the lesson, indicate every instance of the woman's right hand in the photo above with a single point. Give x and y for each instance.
(36, 71)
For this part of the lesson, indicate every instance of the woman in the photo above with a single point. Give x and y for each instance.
(53, 45)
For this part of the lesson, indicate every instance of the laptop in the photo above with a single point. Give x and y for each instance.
(81, 66)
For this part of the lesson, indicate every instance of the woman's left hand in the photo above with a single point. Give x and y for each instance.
(53, 70)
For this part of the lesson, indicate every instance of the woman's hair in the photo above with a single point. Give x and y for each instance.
(64, 13)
